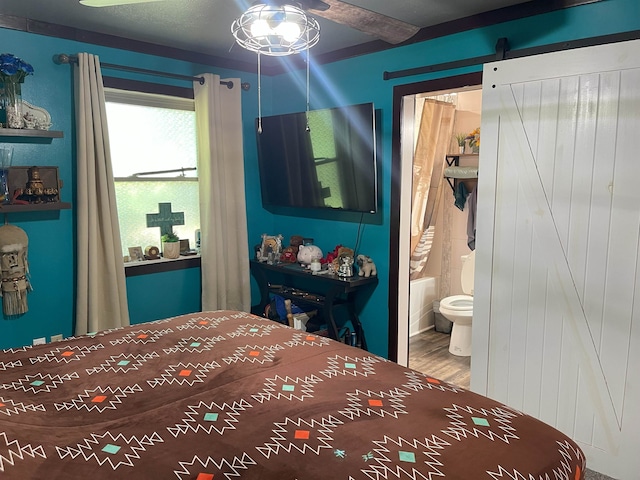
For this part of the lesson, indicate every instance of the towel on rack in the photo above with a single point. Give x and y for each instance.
(460, 194)
(471, 220)
(455, 171)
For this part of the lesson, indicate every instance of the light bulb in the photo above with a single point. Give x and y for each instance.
(260, 28)
(289, 31)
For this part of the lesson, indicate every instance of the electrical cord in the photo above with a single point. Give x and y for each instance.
(356, 248)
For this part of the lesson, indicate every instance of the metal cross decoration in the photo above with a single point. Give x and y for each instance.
(166, 219)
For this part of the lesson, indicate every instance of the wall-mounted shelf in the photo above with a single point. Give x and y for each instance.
(29, 133)
(26, 135)
(456, 172)
(35, 207)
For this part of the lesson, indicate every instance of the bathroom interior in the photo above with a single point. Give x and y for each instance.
(440, 230)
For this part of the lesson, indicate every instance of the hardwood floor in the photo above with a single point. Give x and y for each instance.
(429, 353)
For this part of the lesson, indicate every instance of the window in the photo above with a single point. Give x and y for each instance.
(154, 156)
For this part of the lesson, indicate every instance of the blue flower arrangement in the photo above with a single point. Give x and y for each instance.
(13, 69)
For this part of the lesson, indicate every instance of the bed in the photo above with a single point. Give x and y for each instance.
(225, 395)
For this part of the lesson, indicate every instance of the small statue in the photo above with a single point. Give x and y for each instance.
(35, 191)
(346, 266)
(366, 266)
(14, 270)
(29, 120)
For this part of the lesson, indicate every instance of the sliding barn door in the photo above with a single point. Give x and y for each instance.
(556, 328)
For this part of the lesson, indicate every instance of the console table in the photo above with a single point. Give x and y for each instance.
(326, 292)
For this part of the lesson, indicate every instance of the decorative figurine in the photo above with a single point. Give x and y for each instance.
(346, 266)
(14, 270)
(288, 255)
(366, 267)
(151, 252)
(308, 253)
(295, 241)
(35, 191)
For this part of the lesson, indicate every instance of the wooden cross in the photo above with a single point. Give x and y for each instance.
(166, 219)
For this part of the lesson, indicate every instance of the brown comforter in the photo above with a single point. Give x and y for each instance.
(225, 395)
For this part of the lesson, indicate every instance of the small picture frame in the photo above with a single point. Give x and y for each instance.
(136, 254)
(271, 248)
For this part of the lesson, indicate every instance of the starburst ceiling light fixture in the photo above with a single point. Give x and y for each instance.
(276, 30)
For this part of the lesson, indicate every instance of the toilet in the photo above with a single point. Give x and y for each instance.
(459, 309)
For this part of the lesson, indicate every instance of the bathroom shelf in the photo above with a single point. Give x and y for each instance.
(454, 171)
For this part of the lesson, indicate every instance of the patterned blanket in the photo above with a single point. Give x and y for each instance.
(225, 395)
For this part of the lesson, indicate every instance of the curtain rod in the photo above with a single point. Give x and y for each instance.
(63, 58)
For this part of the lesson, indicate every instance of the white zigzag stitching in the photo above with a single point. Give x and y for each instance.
(234, 466)
(192, 423)
(18, 452)
(356, 406)
(430, 448)
(78, 354)
(80, 403)
(336, 366)
(270, 393)
(460, 429)
(86, 449)
(55, 382)
(321, 428)
(168, 377)
(19, 407)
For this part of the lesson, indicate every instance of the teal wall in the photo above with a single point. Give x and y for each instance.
(163, 295)
(360, 79)
(357, 80)
(52, 234)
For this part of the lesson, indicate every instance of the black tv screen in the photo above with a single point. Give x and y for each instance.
(320, 159)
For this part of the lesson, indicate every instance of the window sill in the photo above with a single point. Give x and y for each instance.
(146, 267)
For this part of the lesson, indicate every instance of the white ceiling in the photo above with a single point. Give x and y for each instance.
(203, 26)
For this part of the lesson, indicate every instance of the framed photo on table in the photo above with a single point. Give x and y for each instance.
(270, 248)
(136, 254)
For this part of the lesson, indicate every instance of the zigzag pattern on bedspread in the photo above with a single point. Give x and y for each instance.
(222, 395)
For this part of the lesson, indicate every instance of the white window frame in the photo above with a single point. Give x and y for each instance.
(134, 97)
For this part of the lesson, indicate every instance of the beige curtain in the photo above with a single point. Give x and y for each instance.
(434, 138)
(101, 301)
(223, 216)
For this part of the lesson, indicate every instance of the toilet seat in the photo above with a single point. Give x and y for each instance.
(457, 303)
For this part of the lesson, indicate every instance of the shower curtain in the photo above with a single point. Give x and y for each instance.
(433, 141)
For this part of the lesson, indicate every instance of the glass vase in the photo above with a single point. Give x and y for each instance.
(11, 104)
(6, 154)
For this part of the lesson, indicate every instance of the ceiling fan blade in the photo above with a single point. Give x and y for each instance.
(112, 3)
(376, 24)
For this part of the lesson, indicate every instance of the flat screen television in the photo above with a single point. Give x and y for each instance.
(321, 159)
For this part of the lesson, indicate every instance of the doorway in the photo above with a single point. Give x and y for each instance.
(401, 197)
(444, 133)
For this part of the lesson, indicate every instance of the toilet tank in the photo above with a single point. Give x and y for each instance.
(468, 272)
